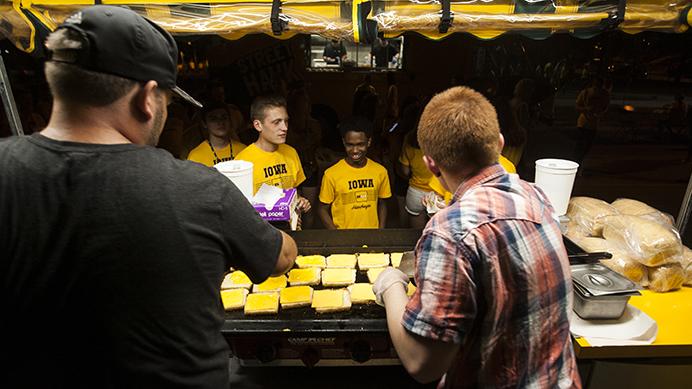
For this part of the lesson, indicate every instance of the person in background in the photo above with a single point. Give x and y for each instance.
(592, 103)
(393, 139)
(305, 136)
(676, 115)
(334, 52)
(411, 166)
(383, 52)
(222, 143)
(119, 244)
(391, 103)
(353, 189)
(274, 162)
(494, 289)
(516, 122)
(361, 93)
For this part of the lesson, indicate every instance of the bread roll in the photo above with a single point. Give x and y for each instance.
(338, 277)
(361, 293)
(628, 267)
(687, 265)
(374, 273)
(575, 231)
(589, 212)
(331, 300)
(295, 297)
(396, 258)
(649, 242)
(666, 278)
(306, 276)
(271, 284)
(594, 245)
(688, 275)
(341, 261)
(306, 261)
(233, 299)
(262, 303)
(236, 279)
(372, 260)
(638, 208)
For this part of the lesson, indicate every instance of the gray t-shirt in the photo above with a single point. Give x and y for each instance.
(111, 259)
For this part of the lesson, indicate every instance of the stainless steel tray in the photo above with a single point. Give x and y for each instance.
(597, 280)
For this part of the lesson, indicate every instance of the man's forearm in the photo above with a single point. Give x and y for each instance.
(395, 304)
(426, 360)
(287, 255)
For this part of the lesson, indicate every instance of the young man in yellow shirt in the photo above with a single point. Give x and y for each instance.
(274, 162)
(353, 187)
(222, 144)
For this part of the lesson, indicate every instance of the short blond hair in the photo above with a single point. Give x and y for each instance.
(459, 129)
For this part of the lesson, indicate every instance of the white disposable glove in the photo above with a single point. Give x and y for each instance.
(433, 202)
(388, 278)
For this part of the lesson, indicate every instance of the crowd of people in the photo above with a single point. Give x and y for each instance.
(346, 170)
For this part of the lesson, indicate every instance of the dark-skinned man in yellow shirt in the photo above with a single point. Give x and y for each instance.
(352, 189)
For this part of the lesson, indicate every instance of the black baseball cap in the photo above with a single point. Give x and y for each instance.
(122, 43)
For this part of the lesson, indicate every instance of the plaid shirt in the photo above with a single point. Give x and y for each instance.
(493, 276)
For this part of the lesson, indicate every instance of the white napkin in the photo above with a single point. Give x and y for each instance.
(268, 195)
(633, 328)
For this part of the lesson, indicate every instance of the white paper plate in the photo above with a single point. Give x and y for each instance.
(633, 328)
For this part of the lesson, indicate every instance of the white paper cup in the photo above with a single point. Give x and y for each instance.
(240, 172)
(556, 178)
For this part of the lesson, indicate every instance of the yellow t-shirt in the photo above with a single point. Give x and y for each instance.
(354, 192)
(436, 185)
(420, 175)
(204, 154)
(280, 168)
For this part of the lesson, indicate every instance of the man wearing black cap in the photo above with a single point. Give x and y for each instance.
(113, 251)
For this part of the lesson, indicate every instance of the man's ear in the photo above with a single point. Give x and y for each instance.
(257, 124)
(369, 140)
(432, 166)
(502, 142)
(145, 101)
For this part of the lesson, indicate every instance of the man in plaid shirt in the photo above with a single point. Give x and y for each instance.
(494, 286)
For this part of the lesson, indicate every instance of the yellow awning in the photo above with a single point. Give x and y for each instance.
(488, 19)
(26, 22)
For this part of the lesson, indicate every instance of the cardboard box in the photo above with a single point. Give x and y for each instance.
(284, 209)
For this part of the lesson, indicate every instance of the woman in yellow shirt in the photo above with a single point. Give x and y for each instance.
(222, 144)
(411, 166)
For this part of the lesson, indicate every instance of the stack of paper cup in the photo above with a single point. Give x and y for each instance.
(556, 178)
(240, 172)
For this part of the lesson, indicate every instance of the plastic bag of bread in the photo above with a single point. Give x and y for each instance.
(687, 265)
(593, 245)
(589, 212)
(649, 242)
(621, 262)
(575, 232)
(638, 208)
(666, 278)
